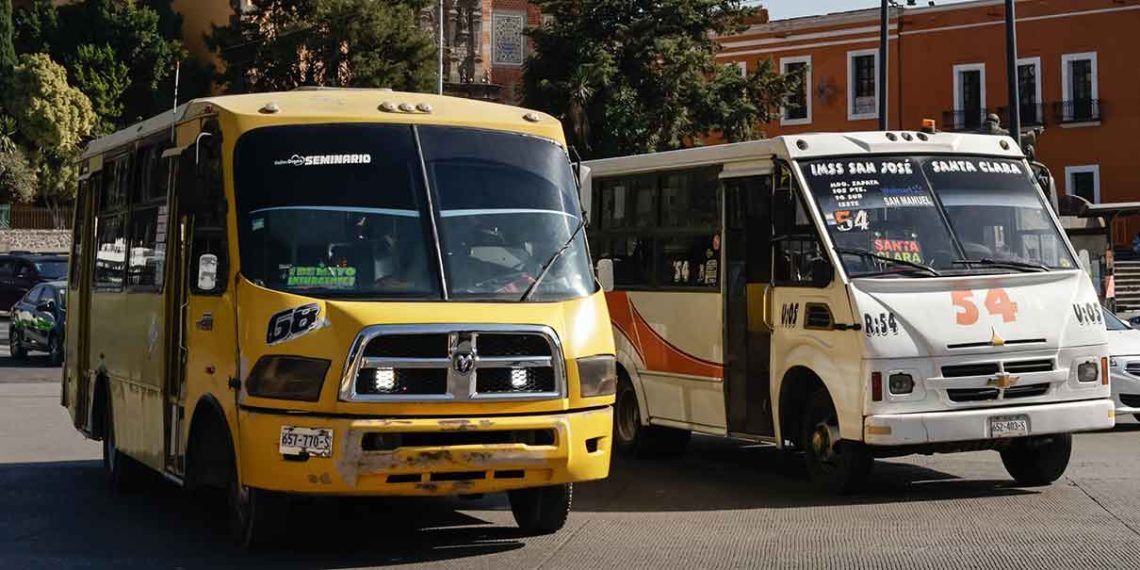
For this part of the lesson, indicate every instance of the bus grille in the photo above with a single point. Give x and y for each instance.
(454, 363)
(986, 394)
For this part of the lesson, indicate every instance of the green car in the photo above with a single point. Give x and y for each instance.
(37, 322)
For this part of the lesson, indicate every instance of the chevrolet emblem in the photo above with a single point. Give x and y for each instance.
(996, 339)
(1003, 380)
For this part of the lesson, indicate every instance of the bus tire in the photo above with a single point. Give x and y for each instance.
(16, 345)
(541, 510)
(835, 465)
(635, 439)
(120, 471)
(1034, 462)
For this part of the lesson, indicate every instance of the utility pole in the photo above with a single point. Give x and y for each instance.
(883, 55)
(1014, 106)
(439, 77)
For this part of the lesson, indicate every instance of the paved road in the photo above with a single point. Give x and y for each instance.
(721, 505)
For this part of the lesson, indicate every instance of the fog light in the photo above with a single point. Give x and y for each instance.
(901, 383)
(518, 378)
(385, 379)
(1087, 372)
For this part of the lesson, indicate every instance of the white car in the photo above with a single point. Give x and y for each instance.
(1124, 367)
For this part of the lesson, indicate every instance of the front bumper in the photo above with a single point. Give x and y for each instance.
(973, 425)
(580, 452)
(1128, 386)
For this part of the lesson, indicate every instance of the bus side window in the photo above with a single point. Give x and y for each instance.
(201, 196)
(799, 260)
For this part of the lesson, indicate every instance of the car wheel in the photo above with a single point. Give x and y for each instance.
(541, 510)
(55, 350)
(16, 344)
(1034, 462)
(835, 465)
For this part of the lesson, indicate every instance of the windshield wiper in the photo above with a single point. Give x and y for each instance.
(1006, 263)
(553, 258)
(870, 255)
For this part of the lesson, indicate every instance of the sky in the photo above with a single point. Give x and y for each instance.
(780, 9)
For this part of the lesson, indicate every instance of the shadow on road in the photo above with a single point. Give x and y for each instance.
(63, 513)
(719, 474)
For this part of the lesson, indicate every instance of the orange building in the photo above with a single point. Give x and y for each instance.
(1077, 75)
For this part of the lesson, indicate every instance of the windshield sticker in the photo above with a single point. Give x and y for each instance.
(324, 160)
(901, 249)
(292, 323)
(323, 277)
(845, 220)
(972, 166)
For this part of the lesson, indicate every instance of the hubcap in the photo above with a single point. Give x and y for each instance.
(823, 440)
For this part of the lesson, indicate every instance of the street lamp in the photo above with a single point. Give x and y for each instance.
(884, 34)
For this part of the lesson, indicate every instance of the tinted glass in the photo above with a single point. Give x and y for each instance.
(936, 211)
(1112, 323)
(52, 269)
(507, 203)
(333, 210)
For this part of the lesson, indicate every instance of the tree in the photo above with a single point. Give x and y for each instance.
(17, 178)
(91, 35)
(52, 119)
(283, 44)
(7, 48)
(633, 76)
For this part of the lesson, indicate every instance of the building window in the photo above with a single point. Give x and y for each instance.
(743, 66)
(1083, 181)
(1029, 90)
(508, 44)
(797, 107)
(862, 84)
(1080, 99)
(969, 95)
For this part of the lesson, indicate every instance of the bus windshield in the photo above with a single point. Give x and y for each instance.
(935, 215)
(346, 211)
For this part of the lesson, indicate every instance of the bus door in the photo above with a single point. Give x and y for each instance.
(78, 384)
(747, 343)
(175, 306)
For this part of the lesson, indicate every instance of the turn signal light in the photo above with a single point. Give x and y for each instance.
(1104, 370)
(929, 126)
(287, 378)
(597, 376)
(876, 386)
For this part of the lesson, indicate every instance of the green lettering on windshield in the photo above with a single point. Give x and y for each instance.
(324, 277)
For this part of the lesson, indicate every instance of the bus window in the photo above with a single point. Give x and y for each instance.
(798, 253)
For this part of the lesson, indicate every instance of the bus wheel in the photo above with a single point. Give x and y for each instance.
(15, 345)
(834, 464)
(120, 471)
(1038, 461)
(256, 516)
(541, 510)
(638, 440)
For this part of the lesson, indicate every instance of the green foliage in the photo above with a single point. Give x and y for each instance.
(17, 178)
(7, 36)
(344, 43)
(633, 76)
(83, 35)
(51, 118)
(103, 79)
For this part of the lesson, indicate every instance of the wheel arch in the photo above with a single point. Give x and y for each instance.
(209, 445)
(628, 363)
(100, 397)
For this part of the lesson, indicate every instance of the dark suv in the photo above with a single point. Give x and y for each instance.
(19, 272)
(38, 320)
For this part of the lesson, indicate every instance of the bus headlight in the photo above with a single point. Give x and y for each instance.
(287, 378)
(597, 376)
(900, 383)
(1087, 372)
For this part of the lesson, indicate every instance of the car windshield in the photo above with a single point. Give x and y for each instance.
(1112, 323)
(52, 269)
(952, 214)
(349, 211)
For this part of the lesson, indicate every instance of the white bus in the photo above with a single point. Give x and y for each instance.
(852, 296)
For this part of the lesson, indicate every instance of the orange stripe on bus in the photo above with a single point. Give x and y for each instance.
(657, 353)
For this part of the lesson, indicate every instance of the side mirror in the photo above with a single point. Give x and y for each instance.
(207, 272)
(822, 273)
(45, 306)
(585, 190)
(606, 274)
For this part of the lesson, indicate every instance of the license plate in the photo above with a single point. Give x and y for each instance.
(316, 442)
(1009, 426)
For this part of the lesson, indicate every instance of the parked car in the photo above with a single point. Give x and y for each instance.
(19, 272)
(37, 321)
(1124, 364)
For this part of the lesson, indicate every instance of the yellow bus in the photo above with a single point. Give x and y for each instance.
(340, 292)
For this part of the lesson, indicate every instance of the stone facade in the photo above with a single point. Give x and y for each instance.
(53, 241)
